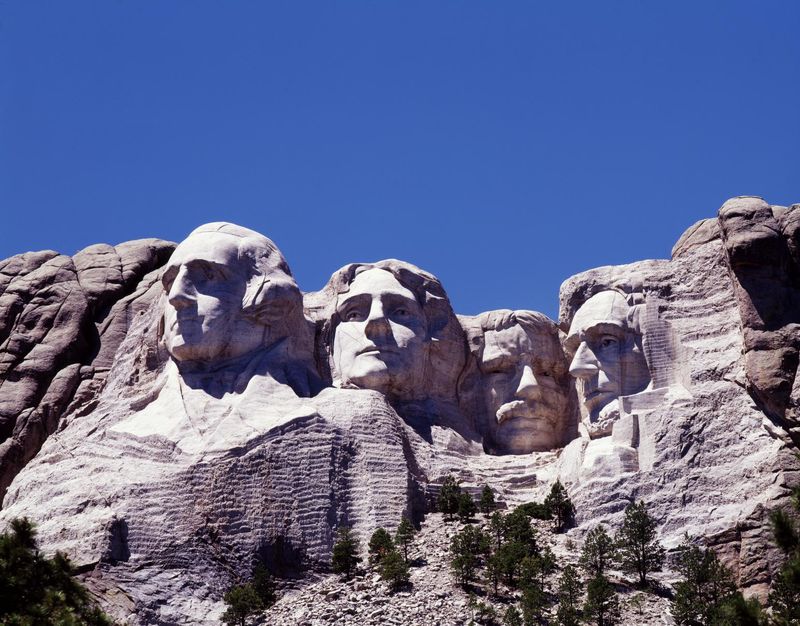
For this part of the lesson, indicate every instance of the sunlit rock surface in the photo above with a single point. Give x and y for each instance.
(169, 419)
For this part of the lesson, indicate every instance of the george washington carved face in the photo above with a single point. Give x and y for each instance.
(226, 286)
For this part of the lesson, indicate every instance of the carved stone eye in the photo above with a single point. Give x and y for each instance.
(353, 315)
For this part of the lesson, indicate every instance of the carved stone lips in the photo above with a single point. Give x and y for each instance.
(375, 351)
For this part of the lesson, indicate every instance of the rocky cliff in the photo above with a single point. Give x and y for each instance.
(170, 417)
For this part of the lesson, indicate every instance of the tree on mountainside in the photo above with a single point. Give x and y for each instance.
(560, 507)
(707, 595)
(638, 549)
(36, 590)
(405, 535)
(569, 595)
(448, 498)
(602, 605)
(394, 569)
(599, 551)
(466, 507)
(785, 593)
(345, 559)
(487, 503)
(380, 544)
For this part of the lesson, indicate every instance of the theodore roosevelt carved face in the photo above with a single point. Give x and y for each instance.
(226, 288)
(524, 381)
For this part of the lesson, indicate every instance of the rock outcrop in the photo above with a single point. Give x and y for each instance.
(172, 418)
(61, 322)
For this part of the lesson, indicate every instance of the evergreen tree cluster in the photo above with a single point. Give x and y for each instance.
(37, 591)
(509, 553)
(389, 554)
(707, 595)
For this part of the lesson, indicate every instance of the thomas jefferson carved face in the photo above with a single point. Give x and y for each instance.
(524, 384)
(225, 285)
(607, 358)
(380, 340)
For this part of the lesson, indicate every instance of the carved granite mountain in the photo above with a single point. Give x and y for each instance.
(173, 416)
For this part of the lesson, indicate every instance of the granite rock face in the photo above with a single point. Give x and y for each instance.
(61, 321)
(761, 246)
(173, 416)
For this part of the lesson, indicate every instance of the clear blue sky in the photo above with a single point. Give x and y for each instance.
(501, 145)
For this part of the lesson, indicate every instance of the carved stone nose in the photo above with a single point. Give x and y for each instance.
(528, 385)
(377, 324)
(181, 294)
(584, 363)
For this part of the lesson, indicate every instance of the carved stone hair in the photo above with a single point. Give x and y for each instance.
(531, 321)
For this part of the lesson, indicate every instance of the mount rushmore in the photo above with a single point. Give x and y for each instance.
(170, 415)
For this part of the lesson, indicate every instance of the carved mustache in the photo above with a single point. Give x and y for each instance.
(521, 409)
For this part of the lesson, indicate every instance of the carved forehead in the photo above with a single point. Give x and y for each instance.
(512, 340)
(516, 340)
(604, 308)
(376, 281)
(215, 247)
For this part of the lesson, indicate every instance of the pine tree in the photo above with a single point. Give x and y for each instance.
(639, 551)
(405, 535)
(487, 503)
(512, 617)
(243, 602)
(560, 507)
(345, 557)
(466, 547)
(537, 569)
(263, 585)
(518, 529)
(599, 551)
(466, 507)
(534, 605)
(394, 569)
(736, 611)
(706, 586)
(448, 499)
(507, 560)
(569, 594)
(380, 544)
(497, 528)
(37, 590)
(493, 571)
(602, 605)
(785, 593)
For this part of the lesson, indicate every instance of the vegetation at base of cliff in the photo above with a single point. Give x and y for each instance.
(37, 591)
(249, 599)
(345, 559)
(513, 578)
(785, 593)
